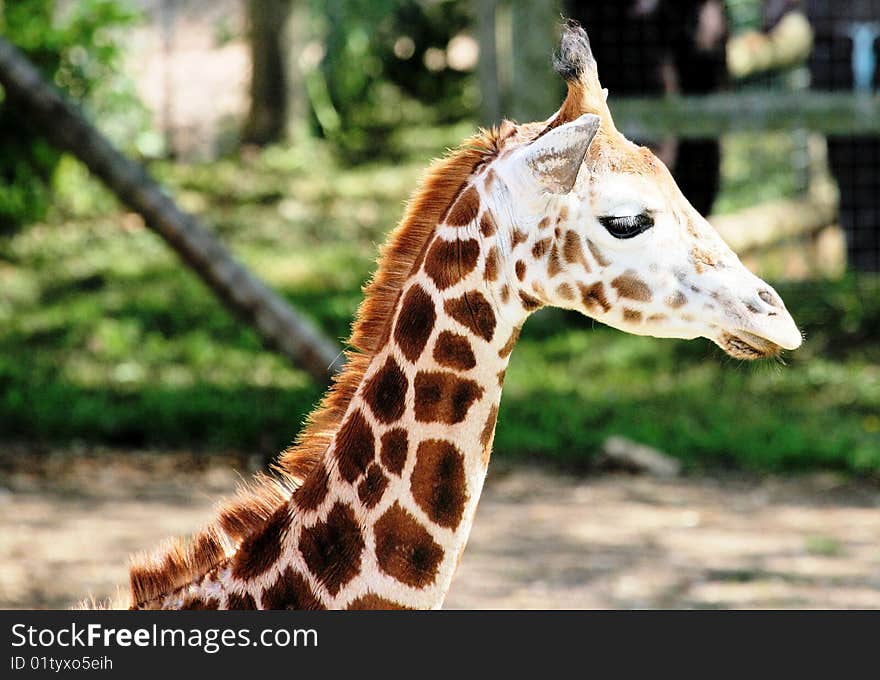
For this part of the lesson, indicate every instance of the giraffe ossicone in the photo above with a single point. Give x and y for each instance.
(373, 505)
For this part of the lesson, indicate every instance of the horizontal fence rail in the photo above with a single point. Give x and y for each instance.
(831, 113)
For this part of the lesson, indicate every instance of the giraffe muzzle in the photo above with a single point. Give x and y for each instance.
(768, 330)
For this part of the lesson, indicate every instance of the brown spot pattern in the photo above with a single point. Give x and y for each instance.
(539, 290)
(394, 448)
(240, 601)
(443, 397)
(657, 317)
(518, 237)
(676, 300)
(486, 435)
(438, 483)
(554, 266)
(544, 223)
(565, 291)
(260, 550)
(573, 250)
(487, 224)
(290, 591)
(597, 254)
(528, 302)
(490, 272)
(448, 262)
(703, 259)
(415, 322)
(192, 602)
(540, 248)
(520, 268)
(454, 351)
(473, 311)
(386, 392)
(594, 296)
(632, 315)
(465, 209)
(355, 448)
(332, 549)
(372, 486)
(630, 286)
(373, 602)
(313, 490)
(405, 550)
(511, 341)
(505, 293)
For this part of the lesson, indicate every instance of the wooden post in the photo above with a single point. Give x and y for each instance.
(490, 109)
(267, 34)
(536, 90)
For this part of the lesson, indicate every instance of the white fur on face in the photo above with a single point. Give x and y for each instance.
(678, 279)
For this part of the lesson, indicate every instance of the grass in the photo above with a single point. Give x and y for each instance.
(105, 337)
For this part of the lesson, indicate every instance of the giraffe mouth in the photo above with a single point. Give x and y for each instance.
(745, 345)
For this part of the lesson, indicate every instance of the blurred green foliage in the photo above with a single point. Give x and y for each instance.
(78, 46)
(104, 336)
(374, 76)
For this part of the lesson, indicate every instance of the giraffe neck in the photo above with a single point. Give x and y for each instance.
(383, 518)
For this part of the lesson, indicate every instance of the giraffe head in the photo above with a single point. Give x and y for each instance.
(610, 234)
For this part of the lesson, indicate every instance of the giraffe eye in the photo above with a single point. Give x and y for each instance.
(628, 225)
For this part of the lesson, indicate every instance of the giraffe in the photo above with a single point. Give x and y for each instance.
(372, 507)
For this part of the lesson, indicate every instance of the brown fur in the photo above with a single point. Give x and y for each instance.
(371, 602)
(332, 549)
(564, 291)
(528, 302)
(404, 548)
(290, 591)
(438, 482)
(511, 341)
(632, 315)
(395, 445)
(555, 264)
(443, 397)
(372, 486)
(171, 568)
(415, 322)
(488, 433)
(487, 224)
(474, 312)
(573, 250)
(454, 351)
(597, 254)
(490, 273)
(594, 296)
(629, 285)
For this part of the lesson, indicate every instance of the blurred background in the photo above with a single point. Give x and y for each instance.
(627, 472)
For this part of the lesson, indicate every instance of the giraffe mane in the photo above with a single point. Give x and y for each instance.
(180, 562)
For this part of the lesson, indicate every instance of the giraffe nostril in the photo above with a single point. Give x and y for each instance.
(769, 298)
(762, 306)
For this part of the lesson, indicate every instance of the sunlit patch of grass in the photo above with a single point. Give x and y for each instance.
(823, 546)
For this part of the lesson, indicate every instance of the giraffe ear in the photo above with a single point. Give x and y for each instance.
(556, 157)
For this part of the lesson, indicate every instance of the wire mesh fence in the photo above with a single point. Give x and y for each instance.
(750, 101)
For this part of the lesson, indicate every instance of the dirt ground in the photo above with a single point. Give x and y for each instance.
(542, 539)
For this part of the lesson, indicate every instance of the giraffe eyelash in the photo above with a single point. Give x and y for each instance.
(627, 226)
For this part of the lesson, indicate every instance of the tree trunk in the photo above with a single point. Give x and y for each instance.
(537, 90)
(267, 34)
(271, 316)
(490, 110)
